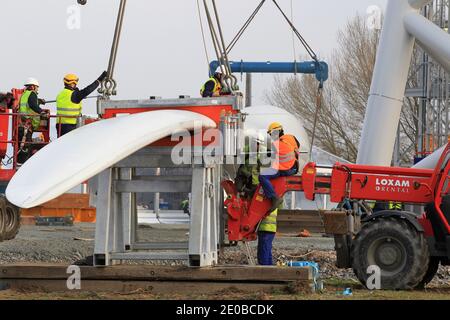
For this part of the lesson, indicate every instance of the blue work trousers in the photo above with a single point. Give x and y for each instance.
(270, 174)
(265, 240)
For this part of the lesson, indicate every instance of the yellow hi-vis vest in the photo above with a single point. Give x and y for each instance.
(395, 206)
(269, 224)
(217, 86)
(25, 109)
(65, 107)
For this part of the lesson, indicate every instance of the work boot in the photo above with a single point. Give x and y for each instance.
(276, 202)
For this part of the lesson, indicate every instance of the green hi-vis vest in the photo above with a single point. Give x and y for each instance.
(25, 109)
(252, 170)
(217, 86)
(65, 107)
(269, 224)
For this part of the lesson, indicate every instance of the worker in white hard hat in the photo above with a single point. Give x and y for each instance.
(69, 102)
(29, 106)
(213, 87)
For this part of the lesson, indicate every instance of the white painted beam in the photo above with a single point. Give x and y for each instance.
(434, 40)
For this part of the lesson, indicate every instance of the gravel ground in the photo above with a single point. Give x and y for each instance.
(69, 244)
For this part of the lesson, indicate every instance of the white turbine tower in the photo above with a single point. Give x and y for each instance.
(403, 26)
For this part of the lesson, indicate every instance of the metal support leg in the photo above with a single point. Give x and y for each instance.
(203, 235)
(125, 217)
(104, 221)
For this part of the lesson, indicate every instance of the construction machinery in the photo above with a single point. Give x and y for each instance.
(10, 147)
(407, 248)
(10, 120)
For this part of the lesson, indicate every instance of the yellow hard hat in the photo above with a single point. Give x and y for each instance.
(275, 126)
(71, 79)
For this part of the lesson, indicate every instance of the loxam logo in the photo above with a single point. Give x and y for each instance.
(392, 185)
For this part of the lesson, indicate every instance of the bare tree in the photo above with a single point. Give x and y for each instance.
(343, 109)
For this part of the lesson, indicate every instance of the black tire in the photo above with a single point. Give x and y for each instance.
(2, 219)
(432, 269)
(396, 247)
(12, 220)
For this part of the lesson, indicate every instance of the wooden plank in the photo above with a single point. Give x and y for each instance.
(301, 225)
(311, 213)
(298, 219)
(143, 272)
(157, 287)
(294, 221)
(336, 222)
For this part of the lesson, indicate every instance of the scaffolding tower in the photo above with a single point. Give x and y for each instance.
(432, 90)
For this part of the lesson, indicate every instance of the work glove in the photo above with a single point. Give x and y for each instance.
(42, 101)
(225, 91)
(44, 115)
(102, 76)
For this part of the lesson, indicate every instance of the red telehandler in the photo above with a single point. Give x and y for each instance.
(406, 247)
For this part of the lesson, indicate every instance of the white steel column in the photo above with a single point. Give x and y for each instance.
(388, 85)
(402, 26)
(434, 40)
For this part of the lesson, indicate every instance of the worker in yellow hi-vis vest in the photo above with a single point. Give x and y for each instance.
(247, 181)
(266, 234)
(31, 113)
(213, 87)
(69, 102)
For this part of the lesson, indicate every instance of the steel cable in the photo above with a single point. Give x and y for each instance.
(203, 34)
(244, 27)
(308, 48)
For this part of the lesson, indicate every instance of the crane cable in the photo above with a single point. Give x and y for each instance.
(308, 48)
(212, 31)
(109, 85)
(244, 27)
(293, 39)
(229, 81)
(313, 55)
(221, 38)
(203, 34)
(319, 99)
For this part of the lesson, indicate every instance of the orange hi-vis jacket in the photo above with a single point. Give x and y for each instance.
(287, 149)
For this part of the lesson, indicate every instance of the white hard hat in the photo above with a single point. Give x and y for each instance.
(32, 82)
(220, 68)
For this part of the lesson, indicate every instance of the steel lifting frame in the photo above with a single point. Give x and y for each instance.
(318, 68)
(113, 192)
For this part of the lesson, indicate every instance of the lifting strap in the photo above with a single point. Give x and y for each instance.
(319, 99)
(244, 27)
(305, 44)
(229, 82)
(108, 86)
